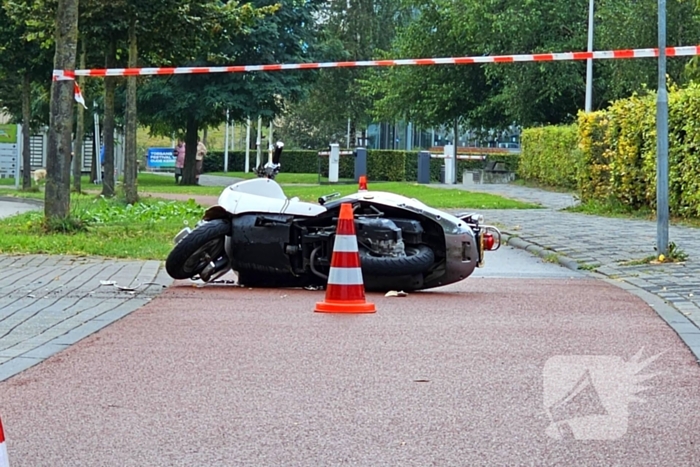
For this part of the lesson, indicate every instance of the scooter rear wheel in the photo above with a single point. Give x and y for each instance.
(193, 253)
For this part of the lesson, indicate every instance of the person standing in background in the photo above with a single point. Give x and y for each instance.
(179, 159)
(201, 154)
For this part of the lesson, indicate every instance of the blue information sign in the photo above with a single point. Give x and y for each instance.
(161, 158)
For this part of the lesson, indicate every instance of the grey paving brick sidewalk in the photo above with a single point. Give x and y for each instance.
(50, 302)
(604, 244)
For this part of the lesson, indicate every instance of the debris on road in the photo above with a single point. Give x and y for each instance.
(129, 289)
(394, 293)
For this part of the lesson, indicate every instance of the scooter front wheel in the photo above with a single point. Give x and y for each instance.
(204, 245)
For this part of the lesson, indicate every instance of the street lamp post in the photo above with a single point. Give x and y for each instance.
(226, 142)
(589, 62)
(662, 140)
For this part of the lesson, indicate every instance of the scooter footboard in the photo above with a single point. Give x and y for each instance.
(258, 242)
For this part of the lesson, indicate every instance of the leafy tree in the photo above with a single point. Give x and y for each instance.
(535, 93)
(185, 26)
(350, 30)
(622, 25)
(188, 103)
(432, 95)
(25, 66)
(156, 33)
(553, 92)
(110, 25)
(130, 164)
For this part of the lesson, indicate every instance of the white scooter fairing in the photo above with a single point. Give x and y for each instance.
(264, 195)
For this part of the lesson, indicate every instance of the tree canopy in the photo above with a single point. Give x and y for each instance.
(348, 30)
(282, 32)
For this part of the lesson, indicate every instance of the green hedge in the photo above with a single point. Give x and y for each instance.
(549, 156)
(292, 161)
(615, 155)
(620, 144)
(594, 171)
(382, 165)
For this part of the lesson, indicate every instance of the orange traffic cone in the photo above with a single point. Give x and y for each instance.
(363, 183)
(4, 461)
(345, 292)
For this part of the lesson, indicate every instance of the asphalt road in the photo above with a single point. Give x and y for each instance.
(518, 264)
(464, 375)
(12, 206)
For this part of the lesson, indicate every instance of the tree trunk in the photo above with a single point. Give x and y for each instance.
(189, 171)
(57, 194)
(108, 128)
(130, 156)
(26, 132)
(79, 131)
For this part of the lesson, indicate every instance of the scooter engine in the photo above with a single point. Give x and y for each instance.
(384, 237)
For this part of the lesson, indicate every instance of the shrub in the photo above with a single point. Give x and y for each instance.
(684, 151)
(549, 156)
(387, 165)
(625, 145)
(618, 152)
(594, 167)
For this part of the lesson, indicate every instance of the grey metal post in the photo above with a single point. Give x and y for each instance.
(453, 178)
(226, 142)
(360, 163)
(409, 136)
(258, 141)
(334, 163)
(589, 61)
(18, 155)
(269, 144)
(98, 144)
(247, 145)
(662, 141)
(423, 167)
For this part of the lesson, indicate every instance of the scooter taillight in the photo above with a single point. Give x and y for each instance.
(363, 183)
(488, 241)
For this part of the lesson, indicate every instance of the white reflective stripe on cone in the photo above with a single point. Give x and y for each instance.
(4, 460)
(345, 276)
(345, 243)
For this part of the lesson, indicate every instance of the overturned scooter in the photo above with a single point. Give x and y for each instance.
(270, 240)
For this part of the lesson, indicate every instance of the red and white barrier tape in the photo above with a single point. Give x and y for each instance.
(545, 57)
(4, 461)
